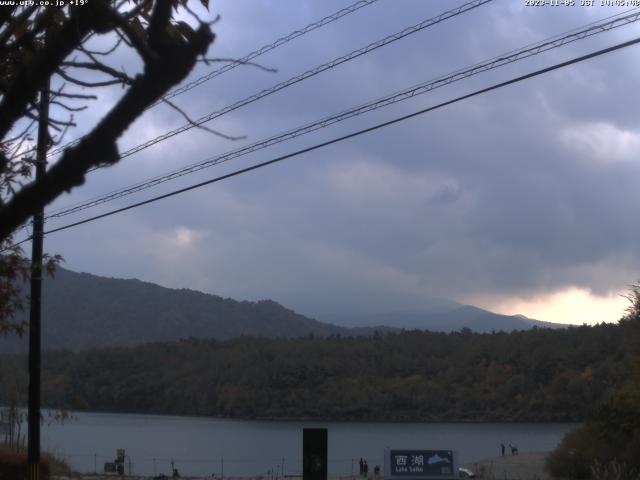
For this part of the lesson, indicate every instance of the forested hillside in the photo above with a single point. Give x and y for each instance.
(82, 311)
(535, 375)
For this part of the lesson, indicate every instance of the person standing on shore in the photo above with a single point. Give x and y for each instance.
(502, 448)
(361, 466)
(365, 468)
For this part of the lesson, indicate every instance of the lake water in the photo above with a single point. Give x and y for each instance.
(205, 446)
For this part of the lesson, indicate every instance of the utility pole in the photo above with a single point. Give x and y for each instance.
(33, 455)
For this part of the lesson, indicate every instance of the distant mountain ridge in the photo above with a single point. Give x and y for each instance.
(83, 311)
(450, 319)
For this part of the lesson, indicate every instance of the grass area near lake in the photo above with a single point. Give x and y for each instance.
(524, 466)
(57, 466)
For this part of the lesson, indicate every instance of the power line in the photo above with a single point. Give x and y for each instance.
(17, 244)
(308, 74)
(249, 57)
(495, 62)
(496, 86)
(269, 47)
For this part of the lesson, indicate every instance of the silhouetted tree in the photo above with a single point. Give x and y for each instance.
(43, 43)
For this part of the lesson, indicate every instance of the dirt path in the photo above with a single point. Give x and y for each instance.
(525, 466)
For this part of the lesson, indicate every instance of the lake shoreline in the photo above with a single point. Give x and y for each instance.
(201, 446)
(524, 466)
(288, 419)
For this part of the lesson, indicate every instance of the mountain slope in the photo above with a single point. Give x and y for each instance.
(82, 311)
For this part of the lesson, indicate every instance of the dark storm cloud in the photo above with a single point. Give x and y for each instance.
(526, 189)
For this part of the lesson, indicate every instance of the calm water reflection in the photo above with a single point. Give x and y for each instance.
(203, 446)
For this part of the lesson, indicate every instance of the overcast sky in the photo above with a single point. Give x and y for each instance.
(522, 200)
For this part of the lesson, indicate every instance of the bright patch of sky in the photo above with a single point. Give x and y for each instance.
(571, 305)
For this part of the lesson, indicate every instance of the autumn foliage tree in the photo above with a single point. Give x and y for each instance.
(42, 44)
(607, 446)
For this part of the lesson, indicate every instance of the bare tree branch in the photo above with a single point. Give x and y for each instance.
(98, 148)
(16, 153)
(55, 142)
(76, 95)
(101, 67)
(21, 154)
(123, 38)
(82, 83)
(132, 38)
(60, 44)
(103, 53)
(53, 122)
(67, 107)
(200, 126)
(21, 134)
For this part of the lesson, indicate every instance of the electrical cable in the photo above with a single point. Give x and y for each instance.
(378, 126)
(495, 62)
(266, 48)
(308, 74)
(249, 57)
(305, 75)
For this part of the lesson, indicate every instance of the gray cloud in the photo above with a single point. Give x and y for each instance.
(527, 189)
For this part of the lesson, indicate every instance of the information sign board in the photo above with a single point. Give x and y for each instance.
(401, 464)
